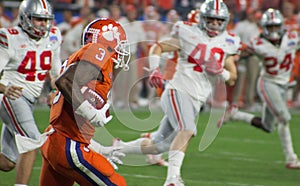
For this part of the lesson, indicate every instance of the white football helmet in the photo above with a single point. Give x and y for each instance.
(215, 9)
(35, 9)
(272, 17)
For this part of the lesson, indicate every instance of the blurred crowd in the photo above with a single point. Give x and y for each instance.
(147, 21)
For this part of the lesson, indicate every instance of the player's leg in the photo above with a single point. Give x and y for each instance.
(18, 115)
(274, 97)
(154, 159)
(77, 162)
(234, 114)
(8, 149)
(51, 177)
(158, 143)
(181, 113)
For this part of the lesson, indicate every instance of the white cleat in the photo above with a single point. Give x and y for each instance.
(174, 181)
(294, 164)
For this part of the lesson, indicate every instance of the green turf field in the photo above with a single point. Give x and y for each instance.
(239, 156)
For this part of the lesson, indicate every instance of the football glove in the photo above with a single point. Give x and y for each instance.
(156, 78)
(112, 153)
(212, 67)
(97, 117)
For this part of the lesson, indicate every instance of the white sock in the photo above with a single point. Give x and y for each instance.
(175, 161)
(286, 141)
(131, 147)
(20, 185)
(243, 116)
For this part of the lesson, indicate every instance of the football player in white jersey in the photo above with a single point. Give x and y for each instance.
(204, 48)
(276, 48)
(28, 53)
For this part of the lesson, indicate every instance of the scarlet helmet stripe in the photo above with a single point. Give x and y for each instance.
(217, 6)
(272, 16)
(44, 4)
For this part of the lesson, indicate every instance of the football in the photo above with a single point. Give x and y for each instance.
(95, 99)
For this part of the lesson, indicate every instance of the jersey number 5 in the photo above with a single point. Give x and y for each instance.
(30, 65)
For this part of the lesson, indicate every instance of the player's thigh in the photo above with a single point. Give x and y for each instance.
(77, 162)
(51, 177)
(18, 115)
(274, 96)
(179, 109)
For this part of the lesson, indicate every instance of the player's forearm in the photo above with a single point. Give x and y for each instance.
(155, 51)
(232, 79)
(231, 68)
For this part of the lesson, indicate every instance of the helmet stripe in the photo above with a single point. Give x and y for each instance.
(272, 16)
(44, 4)
(217, 6)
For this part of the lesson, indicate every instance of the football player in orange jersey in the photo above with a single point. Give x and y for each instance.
(68, 154)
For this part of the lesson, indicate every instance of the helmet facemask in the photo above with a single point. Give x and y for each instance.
(272, 24)
(123, 55)
(214, 17)
(273, 32)
(35, 30)
(214, 26)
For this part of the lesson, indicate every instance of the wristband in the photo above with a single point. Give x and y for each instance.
(86, 110)
(154, 61)
(225, 75)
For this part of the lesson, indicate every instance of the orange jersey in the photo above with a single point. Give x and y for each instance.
(62, 116)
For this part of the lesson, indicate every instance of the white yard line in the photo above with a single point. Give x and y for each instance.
(196, 182)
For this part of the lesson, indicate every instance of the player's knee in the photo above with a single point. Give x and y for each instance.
(5, 164)
(162, 147)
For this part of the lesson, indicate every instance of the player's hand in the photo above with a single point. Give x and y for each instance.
(156, 79)
(100, 118)
(13, 92)
(112, 153)
(212, 67)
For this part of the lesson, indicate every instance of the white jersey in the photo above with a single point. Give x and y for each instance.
(196, 48)
(277, 60)
(25, 62)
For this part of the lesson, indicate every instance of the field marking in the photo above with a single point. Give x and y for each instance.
(238, 156)
(189, 180)
(248, 140)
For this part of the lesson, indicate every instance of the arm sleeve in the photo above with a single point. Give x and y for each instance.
(4, 53)
(4, 58)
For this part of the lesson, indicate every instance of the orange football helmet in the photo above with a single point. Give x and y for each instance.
(194, 16)
(111, 34)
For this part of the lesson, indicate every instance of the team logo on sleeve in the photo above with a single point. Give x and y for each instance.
(230, 41)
